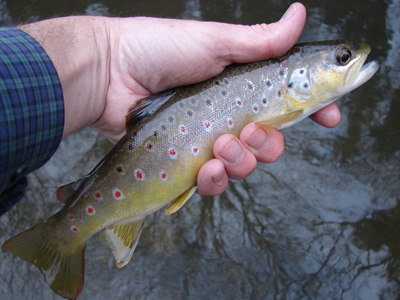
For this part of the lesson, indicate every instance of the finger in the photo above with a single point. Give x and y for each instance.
(197, 57)
(212, 178)
(239, 162)
(266, 143)
(329, 116)
(262, 41)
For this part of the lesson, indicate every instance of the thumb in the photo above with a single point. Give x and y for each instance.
(262, 41)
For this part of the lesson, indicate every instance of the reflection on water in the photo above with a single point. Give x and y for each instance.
(322, 222)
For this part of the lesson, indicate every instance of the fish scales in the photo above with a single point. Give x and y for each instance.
(234, 98)
(169, 137)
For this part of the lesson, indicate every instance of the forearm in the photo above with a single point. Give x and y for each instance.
(31, 112)
(78, 48)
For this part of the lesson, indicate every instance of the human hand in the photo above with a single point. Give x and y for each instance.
(105, 64)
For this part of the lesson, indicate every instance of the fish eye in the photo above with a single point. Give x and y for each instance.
(343, 56)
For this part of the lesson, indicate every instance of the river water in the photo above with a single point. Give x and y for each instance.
(321, 223)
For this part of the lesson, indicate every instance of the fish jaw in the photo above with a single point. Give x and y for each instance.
(364, 73)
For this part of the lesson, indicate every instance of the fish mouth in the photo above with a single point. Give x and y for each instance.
(365, 72)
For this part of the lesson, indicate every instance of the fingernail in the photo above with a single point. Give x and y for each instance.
(232, 152)
(289, 13)
(218, 179)
(258, 140)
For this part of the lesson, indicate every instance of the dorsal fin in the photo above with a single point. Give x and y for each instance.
(138, 113)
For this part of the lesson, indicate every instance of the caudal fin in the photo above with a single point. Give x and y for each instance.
(64, 273)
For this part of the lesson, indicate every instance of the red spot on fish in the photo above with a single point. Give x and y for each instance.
(150, 146)
(238, 102)
(182, 129)
(117, 194)
(71, 217)
(195, 149)
(163, 175)
(90, 210)
(139, 174)
(172, 153)
(207, 125)
(256, 108)
(98, 196)
(74, 229)
(230, 122)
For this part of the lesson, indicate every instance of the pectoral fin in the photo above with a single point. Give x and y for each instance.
(180, 201)
(122, 239)
(64, 192)
(281, 118)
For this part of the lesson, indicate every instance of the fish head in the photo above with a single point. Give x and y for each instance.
(327, 71)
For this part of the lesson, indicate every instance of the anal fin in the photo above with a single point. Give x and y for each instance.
(281, 118)
(180, 201)
(122, 239)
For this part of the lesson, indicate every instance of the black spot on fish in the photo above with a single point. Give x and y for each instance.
(226, 81)
(190, 113)
(130, 147)
(301, 71)
(305, 85)
(155, 133)
(281, 72)
(171, 119)
(163, 127)
(269, 84)
(250, 86)
(119, 169)
(193, 101)
(290, 85)
(208, 102)
(224, 93)
(217, 82)
(279, 93)
(264, 101)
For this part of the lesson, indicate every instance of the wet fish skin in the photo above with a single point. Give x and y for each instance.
(169, 137)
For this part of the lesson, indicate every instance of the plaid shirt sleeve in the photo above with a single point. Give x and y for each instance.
(31, 112)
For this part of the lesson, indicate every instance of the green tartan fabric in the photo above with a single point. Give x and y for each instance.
(31, 112)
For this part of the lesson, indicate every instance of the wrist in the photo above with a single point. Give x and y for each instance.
(78, 48)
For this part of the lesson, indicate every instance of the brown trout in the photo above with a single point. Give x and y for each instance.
(169, 137)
